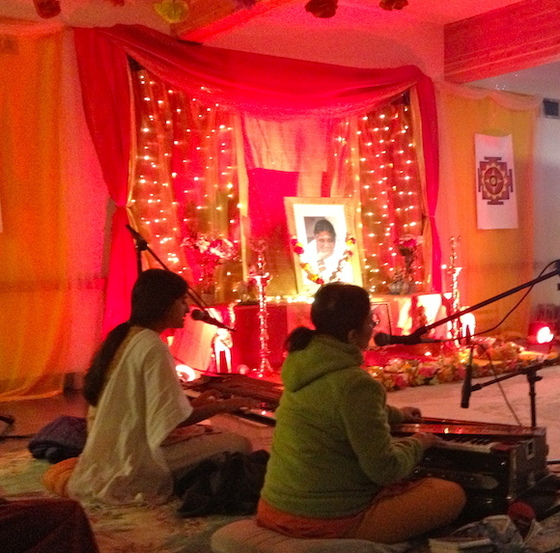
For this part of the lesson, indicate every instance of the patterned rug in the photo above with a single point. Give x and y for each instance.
(117, 529)
(161, 530)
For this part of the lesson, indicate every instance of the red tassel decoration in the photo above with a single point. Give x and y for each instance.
(47, 8)
(393, 4)
(322, 8)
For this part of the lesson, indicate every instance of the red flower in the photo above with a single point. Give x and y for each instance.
(393, 4)
(297, 247)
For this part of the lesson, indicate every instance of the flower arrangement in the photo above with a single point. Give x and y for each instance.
(172, 11)
(493, 357)
(408, 247)
(209, 253)
(299, 250)
(327, 8)
(322, 8)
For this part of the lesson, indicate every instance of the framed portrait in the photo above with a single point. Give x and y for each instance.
(322, 226)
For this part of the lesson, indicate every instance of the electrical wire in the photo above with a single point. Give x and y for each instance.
(515, 306)
(502, 391)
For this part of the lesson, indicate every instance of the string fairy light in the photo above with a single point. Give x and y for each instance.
(390, 190)
(186, 177)
(186, 173)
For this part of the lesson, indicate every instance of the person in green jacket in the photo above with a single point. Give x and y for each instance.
(335, 471)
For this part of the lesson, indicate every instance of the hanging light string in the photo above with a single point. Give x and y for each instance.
(184, 175)
(185, 180)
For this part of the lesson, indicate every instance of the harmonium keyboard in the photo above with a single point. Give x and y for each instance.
(265, 393)
(495, 463)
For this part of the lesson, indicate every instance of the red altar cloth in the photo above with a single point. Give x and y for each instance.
(282, 319)
(193, 345)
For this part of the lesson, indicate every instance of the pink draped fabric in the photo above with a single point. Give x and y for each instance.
(265, 86)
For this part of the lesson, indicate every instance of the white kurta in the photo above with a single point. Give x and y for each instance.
(141, 404)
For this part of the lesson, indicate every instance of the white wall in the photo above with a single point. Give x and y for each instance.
(547, 208)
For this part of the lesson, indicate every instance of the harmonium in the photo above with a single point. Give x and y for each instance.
(496, 464)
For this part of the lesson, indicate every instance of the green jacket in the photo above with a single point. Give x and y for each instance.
(332, 450)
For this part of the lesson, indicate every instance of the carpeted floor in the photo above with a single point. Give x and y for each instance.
(160, 530)
(117, 529)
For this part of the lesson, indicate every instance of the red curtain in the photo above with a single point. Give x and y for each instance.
(266, 86)
(430, 146)
(262, 85)
(106, 98)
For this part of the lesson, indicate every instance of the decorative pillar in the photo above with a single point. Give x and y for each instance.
(453, 271)
(260, 277)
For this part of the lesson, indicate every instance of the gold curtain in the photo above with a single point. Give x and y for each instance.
(185, 179)
(33, 241)
(492, 261)
(377, 159)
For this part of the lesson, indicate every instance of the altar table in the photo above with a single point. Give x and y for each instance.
(202, 346)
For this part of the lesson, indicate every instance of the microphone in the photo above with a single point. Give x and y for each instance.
(205, 317)
(381, 339)
(466, 390)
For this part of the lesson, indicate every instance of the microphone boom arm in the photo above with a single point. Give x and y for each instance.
(426, 328)
(142, 245)
(530, 372)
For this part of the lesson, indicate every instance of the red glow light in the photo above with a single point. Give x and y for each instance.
(544, 335)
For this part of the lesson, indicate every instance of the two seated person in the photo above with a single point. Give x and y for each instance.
(334, 470)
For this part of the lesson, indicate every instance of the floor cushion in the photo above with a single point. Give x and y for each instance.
(245, 536)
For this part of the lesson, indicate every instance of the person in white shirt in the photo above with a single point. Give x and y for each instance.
(142, 431)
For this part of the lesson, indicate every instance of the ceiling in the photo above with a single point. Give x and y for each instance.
(350, 13)
(541, 81)
(284, 27)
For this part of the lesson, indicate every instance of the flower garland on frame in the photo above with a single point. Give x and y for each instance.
(299, 250)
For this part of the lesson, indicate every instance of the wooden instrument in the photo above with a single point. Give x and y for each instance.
(495, 463)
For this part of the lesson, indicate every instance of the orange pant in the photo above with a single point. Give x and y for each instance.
(430, 504)
(401, 512)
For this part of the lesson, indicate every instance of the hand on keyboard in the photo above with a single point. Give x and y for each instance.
(237, 403)
(427, 440)
(411, 414)
(205, 397)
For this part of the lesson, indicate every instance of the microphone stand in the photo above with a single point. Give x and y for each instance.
(142, 245)
(467, 385)
(529, 371)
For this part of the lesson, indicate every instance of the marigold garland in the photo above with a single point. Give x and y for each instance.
(299, 250)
